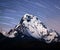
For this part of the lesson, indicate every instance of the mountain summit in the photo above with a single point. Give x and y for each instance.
(31, 26)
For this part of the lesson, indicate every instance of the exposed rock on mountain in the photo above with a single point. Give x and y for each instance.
(31, 26)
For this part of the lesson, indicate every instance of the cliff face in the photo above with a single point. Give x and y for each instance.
(31, 26)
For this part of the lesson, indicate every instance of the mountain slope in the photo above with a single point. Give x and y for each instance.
(31, 26)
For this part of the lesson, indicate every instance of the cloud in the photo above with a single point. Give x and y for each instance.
(41, 5)
(8, 24)
(10, 10)
(57, 7)
(36, 3)
(9, 18)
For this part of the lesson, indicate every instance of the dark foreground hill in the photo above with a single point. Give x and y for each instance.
(24, 42)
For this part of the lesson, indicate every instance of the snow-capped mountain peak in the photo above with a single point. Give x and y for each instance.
(31, 26)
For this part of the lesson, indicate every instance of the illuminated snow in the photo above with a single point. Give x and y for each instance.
(37, 29)
(31, 26)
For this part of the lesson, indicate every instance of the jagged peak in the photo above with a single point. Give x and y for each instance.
(31, 26)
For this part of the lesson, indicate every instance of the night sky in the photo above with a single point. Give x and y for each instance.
(11, 11)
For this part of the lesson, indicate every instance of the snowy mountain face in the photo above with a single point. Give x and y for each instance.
(31, 26)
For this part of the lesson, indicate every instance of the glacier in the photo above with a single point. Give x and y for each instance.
(31, 26)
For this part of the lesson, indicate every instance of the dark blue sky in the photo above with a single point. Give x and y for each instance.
(48, 11)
